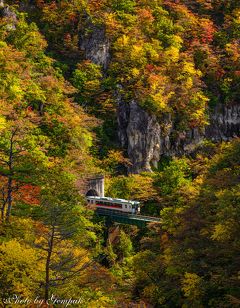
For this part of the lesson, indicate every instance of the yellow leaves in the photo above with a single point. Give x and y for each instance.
(150, 291)
(191, 286)
(196, 109)
(136, 51)
(143, 187)
(177, 41)
(161, 101)
(2, 44)
(189, 69)
(167, 257)
(137, 54)
(233, 50)
(172, 54)
(135, 72)
(157, 92)
(112, 25)
(113, 160)
(18, 264)
(236, 14)
(2, 122)
(123, 41)
(15, 91)
(222, 232)
(136, 186)
(35, 92)
(164, 238)
(189, 83)
(156, 82)
(102, 301)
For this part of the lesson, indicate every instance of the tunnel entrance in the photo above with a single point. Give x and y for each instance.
(92, 193)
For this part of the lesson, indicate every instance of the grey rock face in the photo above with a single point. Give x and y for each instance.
(95, 45)
(141, 133)
(224, 123)
(7, 13)
(146, 139)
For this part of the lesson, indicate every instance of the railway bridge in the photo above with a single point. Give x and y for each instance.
(95, 187)
(125, 218)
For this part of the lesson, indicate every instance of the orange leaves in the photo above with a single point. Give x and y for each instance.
(95, 5)
(40, 3)
(28, 194)
(150, 67)
(233, 50)
(156, 81)
(145, 15)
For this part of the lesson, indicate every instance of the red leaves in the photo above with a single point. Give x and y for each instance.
(208, 31)
(220, 73)
(237, 73)
(150, 67)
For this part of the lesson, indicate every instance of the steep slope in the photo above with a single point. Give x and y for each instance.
(169, 71)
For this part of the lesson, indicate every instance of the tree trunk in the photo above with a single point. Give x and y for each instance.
(10, 179)
(4, 202)
(47, 267)
(3, 208)
(9, 197)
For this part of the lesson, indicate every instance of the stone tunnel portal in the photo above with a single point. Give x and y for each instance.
(95, 187)
(92, 192)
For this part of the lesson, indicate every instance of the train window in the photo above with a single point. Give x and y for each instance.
(125, 206)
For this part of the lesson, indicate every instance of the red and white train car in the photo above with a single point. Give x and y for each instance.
(122, 205)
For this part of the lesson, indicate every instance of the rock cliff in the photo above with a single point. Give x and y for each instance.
(146, 139)
(94, 43)
(7, 13)
(142, 135)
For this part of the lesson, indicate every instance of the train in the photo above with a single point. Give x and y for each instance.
(121, 205)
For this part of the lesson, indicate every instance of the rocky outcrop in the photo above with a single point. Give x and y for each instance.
(95, 44)
(224, 122)
(140, 133)
(7, 13)
(146, 138)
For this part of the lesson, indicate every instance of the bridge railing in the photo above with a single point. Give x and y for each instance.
(112, 213)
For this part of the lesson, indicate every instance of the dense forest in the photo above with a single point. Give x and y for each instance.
(145, 93)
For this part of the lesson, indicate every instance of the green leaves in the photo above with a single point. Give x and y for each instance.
(87, 79)
(27, 38)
